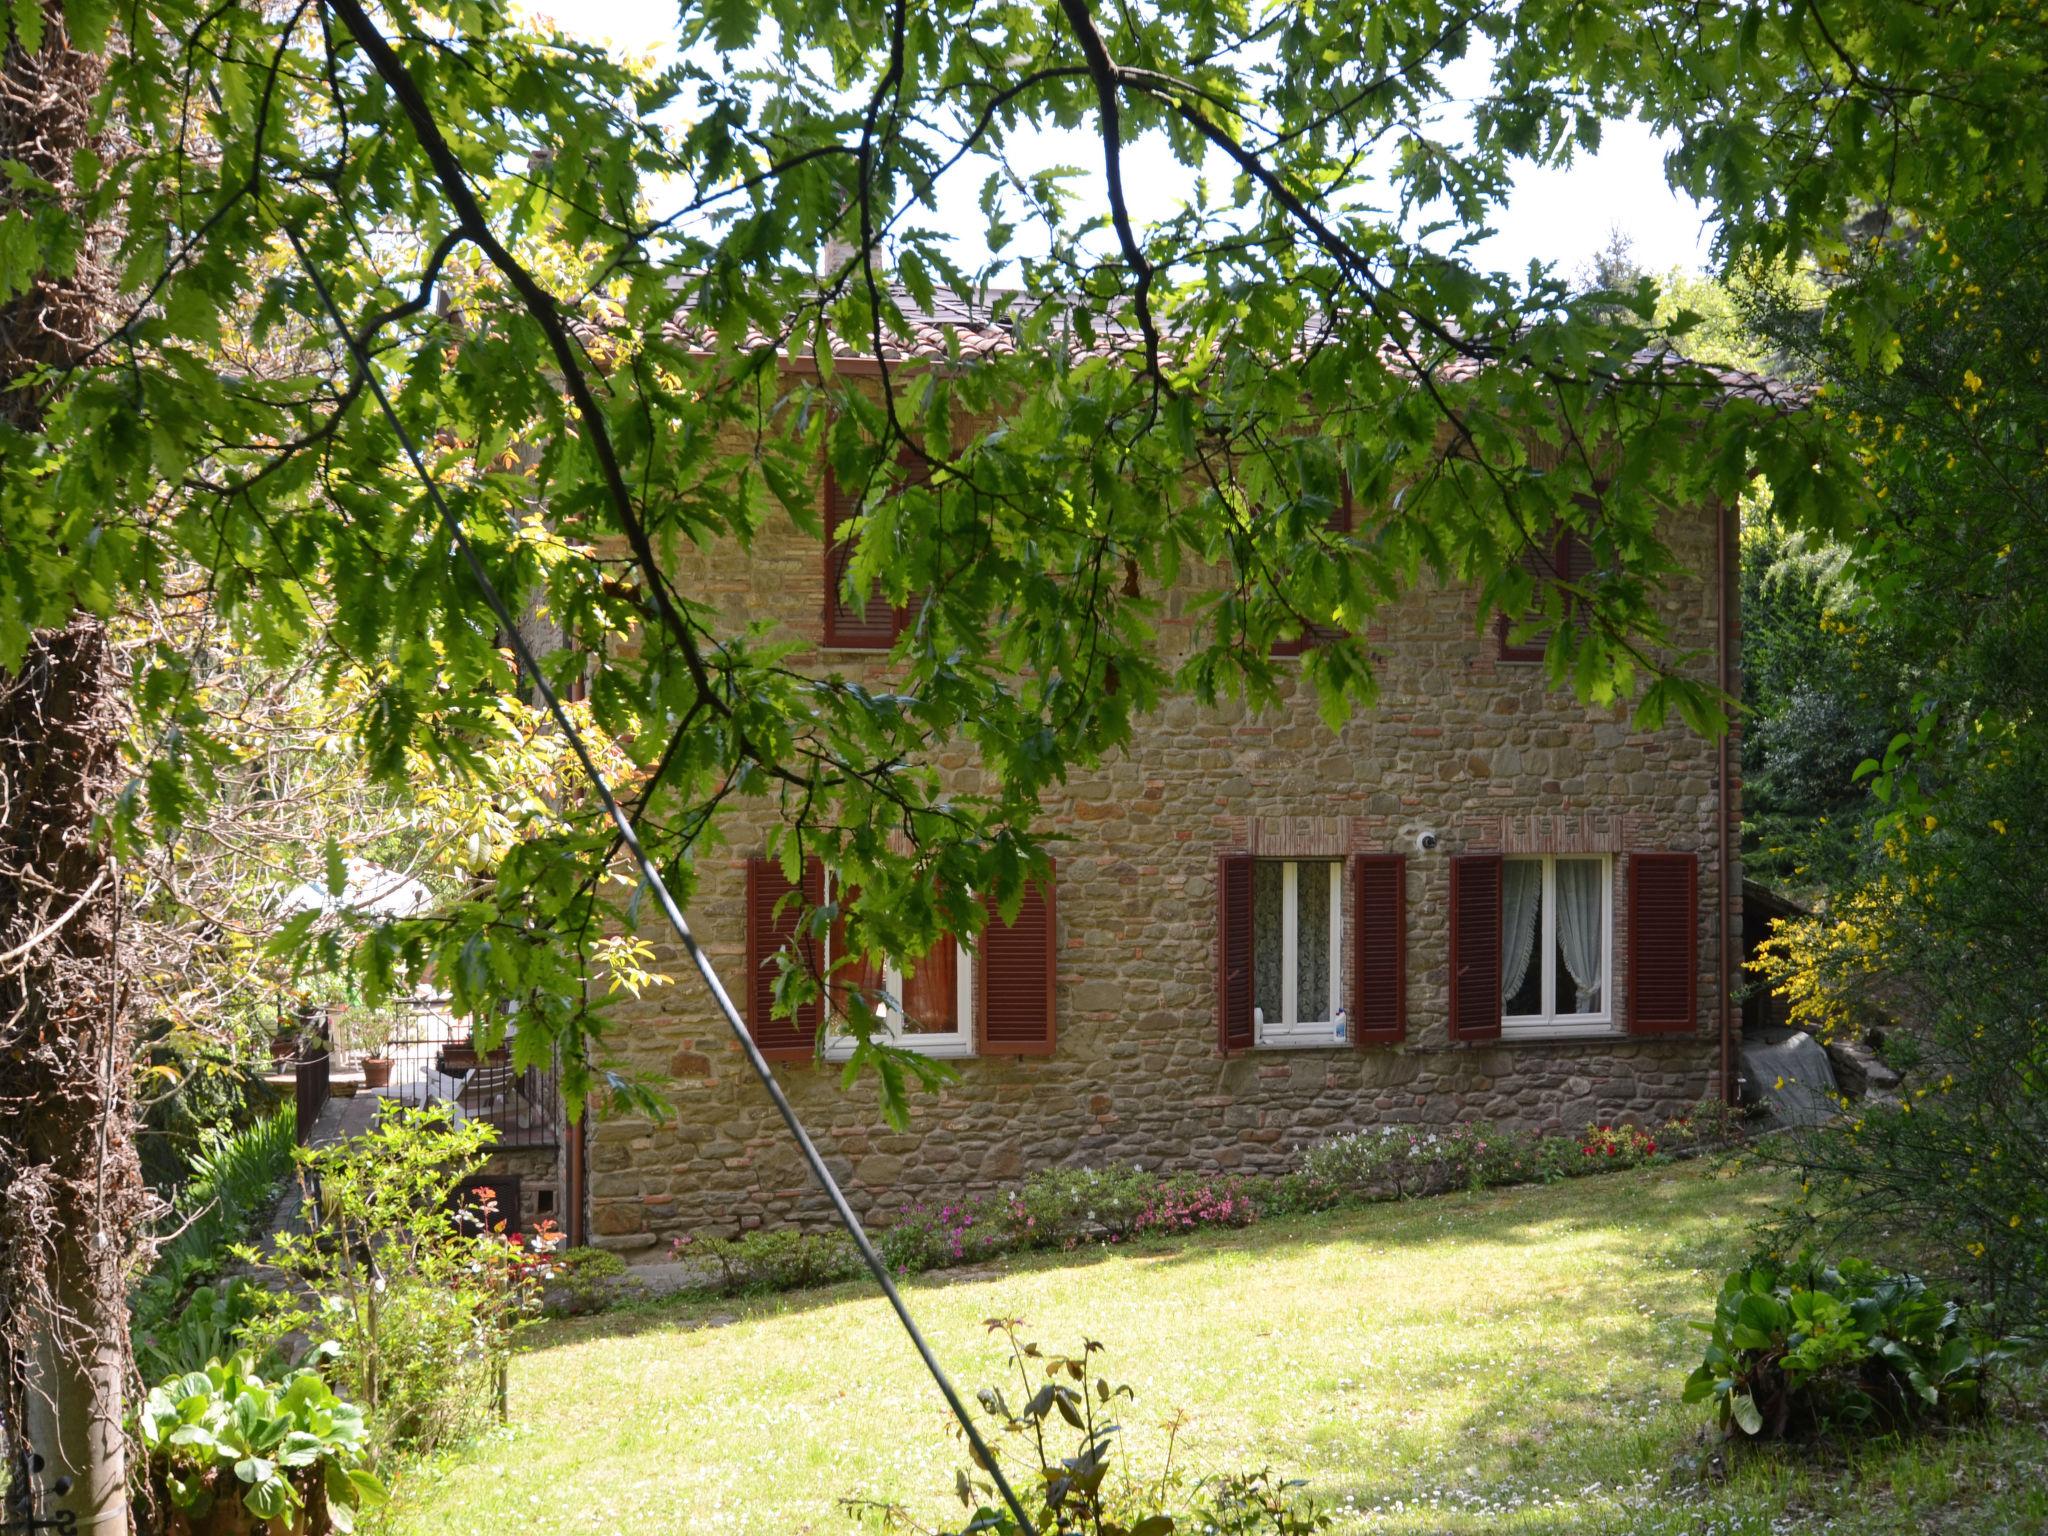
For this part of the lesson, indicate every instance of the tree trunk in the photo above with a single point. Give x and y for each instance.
(71, 1194)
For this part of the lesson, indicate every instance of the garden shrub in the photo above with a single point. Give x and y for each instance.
(783, 1259)
(1481, 1155)
(1062, 1207)
(419, 1301)
(1616, 1146)
(1395, 1162)
(1190, 1201)
(1707, 1125)
(921, 1237)
(234, 1180)
(581, 1281)
(1294, 1193)
(293, 1453)
(1356, 1166)
(1552, 1158)
(207, 1328)
(1799, 1348)
(1398, 1162)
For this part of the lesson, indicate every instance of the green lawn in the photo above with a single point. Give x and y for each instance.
(1501, 1362)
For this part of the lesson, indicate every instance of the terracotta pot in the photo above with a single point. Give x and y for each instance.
(376, 1071)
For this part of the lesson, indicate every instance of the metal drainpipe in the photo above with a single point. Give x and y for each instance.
(1721, 809)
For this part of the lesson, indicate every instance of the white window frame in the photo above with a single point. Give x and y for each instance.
(1291, 1031)
(956, 1043)
(1550, 1022)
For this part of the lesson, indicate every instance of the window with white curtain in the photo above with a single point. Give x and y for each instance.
(1297, 951)
(1557, 944)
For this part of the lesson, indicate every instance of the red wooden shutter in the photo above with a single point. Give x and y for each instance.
(1234, 952)
(1475, 946)
(1345, 516)
(1014, 975)
(1663, 943)
(867, 626)
(768, 932)
(1311, 637)
(1379, 961)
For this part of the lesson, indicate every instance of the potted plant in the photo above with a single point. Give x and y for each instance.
(369, 1030)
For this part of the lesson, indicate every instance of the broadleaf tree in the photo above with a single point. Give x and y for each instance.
(611, 304)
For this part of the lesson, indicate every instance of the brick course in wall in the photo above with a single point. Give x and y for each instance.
(1476, 749)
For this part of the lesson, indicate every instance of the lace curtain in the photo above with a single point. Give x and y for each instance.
(1580, 932)
(1521, 903)
(1312, 944)
(1269, 913)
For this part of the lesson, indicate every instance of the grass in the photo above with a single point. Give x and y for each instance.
(1508, 1361)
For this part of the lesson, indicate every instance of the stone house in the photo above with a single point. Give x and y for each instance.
(1479, 899)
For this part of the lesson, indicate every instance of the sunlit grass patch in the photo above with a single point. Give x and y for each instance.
(1509, 1361)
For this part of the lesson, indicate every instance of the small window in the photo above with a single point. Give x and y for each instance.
(872, 623)
(928, 1008)
(1557, 944)
(1570, 559)
(1342, 517)
(1297, 952)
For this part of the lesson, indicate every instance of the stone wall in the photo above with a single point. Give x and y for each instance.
(1462, 743)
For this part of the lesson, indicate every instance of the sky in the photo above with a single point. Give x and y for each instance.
(1558, 216)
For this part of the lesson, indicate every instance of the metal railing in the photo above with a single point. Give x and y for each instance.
(433, 1062)
(311, 1065)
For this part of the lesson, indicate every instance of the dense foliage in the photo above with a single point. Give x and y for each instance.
(234, 1182)
(781, 1259)
(413, 1301)
(284, 1449)
(1932, 939)
(1799, 1348)
(205, 1326)
(1824, 689)
(581, 1280)
(601, 381)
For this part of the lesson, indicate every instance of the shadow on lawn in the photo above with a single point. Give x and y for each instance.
(1549, 1454)
(1687, 1204)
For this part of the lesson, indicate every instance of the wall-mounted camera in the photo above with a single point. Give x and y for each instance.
(1422, 839)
